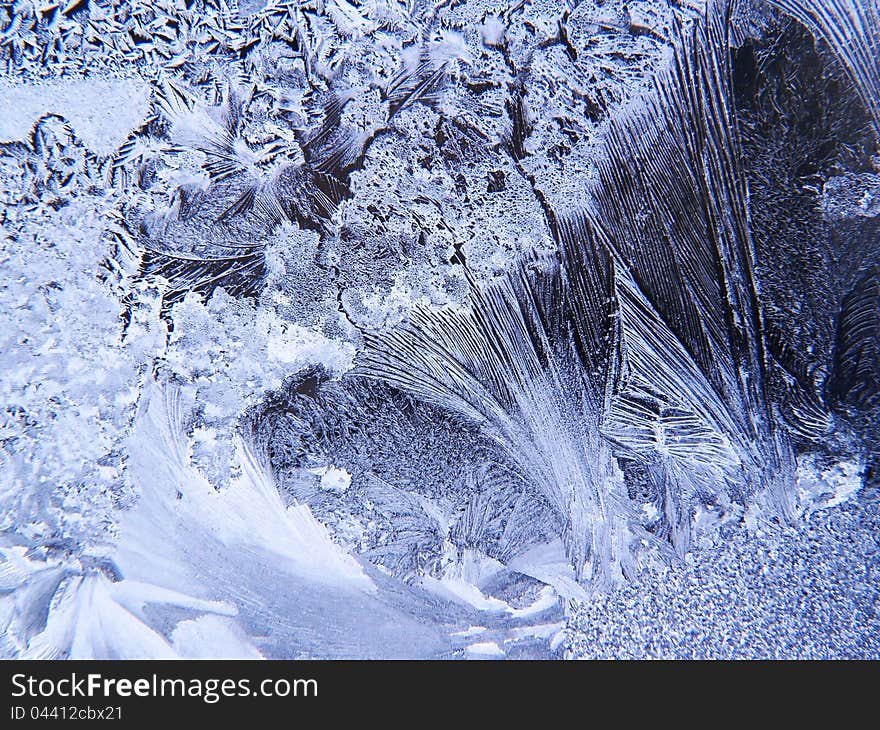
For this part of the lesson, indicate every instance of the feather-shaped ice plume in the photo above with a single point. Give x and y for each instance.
(179, 527)
(248, 513)
(205, 572)
(530, 361)
(851, 28)
(671, 203)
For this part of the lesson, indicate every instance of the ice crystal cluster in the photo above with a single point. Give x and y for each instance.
(439, 329)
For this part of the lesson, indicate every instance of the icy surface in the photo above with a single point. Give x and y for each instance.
(102, 111)
(808, 594)
(467, 330)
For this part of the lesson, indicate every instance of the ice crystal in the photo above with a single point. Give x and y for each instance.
(374, 329)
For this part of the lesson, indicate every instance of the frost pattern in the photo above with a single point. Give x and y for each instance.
(370, 329)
